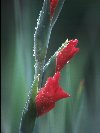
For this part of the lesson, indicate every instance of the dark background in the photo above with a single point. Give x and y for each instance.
(78, 19)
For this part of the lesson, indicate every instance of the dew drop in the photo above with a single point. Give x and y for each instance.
(67, 62)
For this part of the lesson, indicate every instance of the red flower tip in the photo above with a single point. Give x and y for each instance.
(49, 94)
(53, 4)
(66, 54)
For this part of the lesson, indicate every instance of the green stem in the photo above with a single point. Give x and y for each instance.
(53, 57)
(29, 114)
(39, 71)
(28, 119)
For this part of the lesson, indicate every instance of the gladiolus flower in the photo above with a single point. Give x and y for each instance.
(53, 4)
(49, 94)
(66, 54)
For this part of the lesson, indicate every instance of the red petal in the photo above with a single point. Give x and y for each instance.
(49, 94)
(44, 104)
(60, 94)
(66, 54)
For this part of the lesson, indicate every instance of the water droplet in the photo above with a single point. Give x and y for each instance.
(67, 62)
(35, 65)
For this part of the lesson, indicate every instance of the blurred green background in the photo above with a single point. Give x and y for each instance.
(81, 78)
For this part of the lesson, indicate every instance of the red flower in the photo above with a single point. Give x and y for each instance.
(49, 94)
(53, 4)
(66, 54)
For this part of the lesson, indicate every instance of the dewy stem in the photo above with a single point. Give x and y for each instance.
(29, 113)
(39, 71)
(49, 68)
(53, 57)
